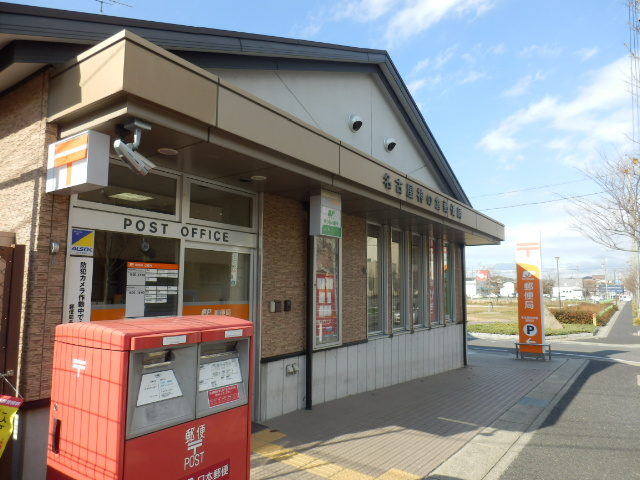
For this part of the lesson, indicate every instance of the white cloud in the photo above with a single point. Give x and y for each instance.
(416, 16)
(426, 82)
(472, 76)
(562, 144)
(587, 53)
(498, 49)
(363, 10)
(597, 115)
(421, 65)
(522, 85)
(519, 88)
(540, 51)
(416, 85)
(436, 63)
(310, 30)
(443, 57)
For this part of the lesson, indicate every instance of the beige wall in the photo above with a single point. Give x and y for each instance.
(36, 218)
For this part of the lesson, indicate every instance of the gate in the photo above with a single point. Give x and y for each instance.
(11, 280)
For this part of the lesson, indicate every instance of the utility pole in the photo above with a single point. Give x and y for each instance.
(558, 272)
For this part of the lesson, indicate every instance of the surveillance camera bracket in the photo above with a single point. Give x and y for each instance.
(137, 126)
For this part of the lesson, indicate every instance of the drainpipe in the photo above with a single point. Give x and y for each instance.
(310, 326)
(464, 309)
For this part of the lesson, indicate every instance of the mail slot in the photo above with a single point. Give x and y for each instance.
(166, 398)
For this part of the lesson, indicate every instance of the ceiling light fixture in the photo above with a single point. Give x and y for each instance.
(167, 151)
(258, 178)
(130, 197)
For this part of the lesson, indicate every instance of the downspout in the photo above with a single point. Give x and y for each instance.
(310, 326)
(464, 307)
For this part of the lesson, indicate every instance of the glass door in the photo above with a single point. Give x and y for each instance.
(217, 282)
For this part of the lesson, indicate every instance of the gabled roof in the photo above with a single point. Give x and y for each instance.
(32, 38)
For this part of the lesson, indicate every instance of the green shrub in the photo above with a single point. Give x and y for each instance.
(582, 314)
(511, 328)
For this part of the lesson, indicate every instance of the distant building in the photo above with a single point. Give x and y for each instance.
(508, 289)
(470, 288)
(568, 293)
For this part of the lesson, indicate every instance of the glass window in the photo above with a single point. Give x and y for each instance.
(327, 284)
(374, 311)
(416, 280)
(220, 206)
(397, 274)
(134, 276)
(151, 193)
(216, 283)
(434, 291)
(447, 282)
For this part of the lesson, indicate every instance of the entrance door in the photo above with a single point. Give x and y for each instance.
(217, 282)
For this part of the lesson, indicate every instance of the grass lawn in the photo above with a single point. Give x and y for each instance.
(511, 328)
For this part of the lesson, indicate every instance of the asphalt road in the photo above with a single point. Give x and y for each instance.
(594, 430)
(592, 433)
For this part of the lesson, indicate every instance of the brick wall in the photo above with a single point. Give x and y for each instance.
(36, 218)
(284, 277)
(354, 279)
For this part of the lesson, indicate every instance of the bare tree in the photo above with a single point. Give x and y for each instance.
(611, 219)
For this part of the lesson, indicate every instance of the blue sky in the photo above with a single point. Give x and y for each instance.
(518, 94)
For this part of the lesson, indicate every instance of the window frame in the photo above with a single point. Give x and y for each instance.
(448, 283)
(383, 281)
(77, 202)
(422, 320)
(188, 180)
(404, 324)
(434, 284)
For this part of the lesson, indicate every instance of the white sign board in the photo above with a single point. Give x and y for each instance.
(325, 216)
(219, 374)
(78, 290)
(159, 386)
(78, 164)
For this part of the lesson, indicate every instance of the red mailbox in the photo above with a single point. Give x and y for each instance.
(155, 398)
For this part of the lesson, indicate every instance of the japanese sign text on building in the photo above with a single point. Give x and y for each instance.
(421, 196)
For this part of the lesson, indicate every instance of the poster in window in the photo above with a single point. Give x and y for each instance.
(327, 321)
(152, 289)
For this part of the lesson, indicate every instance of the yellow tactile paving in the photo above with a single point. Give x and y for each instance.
(262, 446)
(347, 474)
(267, 435)
(395, 474)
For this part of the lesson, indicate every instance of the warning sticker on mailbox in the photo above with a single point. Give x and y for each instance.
(223, 395)
(219, 374)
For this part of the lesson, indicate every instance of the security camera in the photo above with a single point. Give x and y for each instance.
(389, 143)
(132, 159)
(355, 123)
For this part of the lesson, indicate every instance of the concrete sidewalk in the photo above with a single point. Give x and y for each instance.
(460, 425)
